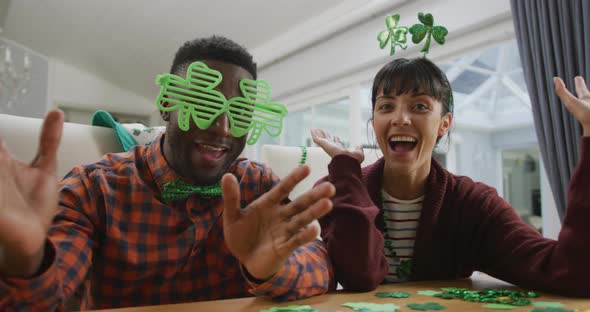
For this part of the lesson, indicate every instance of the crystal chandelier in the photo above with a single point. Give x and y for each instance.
(14, 79)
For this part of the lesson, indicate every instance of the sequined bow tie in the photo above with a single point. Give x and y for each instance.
(181, 190)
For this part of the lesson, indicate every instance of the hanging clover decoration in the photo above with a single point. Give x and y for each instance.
(428, 30)
(397, 35)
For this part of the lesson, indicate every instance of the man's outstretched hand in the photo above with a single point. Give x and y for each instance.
(28, 199)
(264, 234)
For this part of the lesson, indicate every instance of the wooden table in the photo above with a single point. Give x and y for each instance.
(333, 301)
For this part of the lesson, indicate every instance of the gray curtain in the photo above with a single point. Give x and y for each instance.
(554, 40)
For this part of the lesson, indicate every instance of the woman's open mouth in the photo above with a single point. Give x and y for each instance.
(402, 144)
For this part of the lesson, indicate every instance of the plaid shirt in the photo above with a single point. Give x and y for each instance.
(115, 243)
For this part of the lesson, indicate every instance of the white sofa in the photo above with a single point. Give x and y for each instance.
(82, 144)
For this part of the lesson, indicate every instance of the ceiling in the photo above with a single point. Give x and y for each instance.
(129, 42)
(489, 88)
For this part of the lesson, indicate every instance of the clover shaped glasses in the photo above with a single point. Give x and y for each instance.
(196, 98)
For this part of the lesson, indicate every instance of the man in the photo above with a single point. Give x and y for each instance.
(117, 242)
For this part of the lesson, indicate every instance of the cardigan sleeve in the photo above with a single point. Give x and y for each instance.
(517, 253)
(354, 242)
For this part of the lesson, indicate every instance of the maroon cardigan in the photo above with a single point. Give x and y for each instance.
(464, 226)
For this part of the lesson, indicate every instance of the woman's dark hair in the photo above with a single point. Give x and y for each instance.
(413, 76)
(418, 75)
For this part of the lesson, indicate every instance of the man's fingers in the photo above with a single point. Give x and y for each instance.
(324, 190)
(581, 88)
(300, 221)
(230, 192)
(301, 238)
(282, 190)
(49, 140)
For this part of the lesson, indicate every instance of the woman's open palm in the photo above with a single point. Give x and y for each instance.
(579, 106)
(333, 146)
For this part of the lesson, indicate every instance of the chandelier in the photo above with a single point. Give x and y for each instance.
(14, 77)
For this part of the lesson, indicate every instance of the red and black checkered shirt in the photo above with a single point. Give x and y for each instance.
(116, 243)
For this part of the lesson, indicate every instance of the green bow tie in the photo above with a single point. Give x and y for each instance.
(181, 190)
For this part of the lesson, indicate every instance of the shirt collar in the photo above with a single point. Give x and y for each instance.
(159, 167)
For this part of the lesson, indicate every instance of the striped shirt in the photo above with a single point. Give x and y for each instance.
(115, 242)
(401, 223)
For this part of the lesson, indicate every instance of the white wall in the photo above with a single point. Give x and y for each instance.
(57, 84)
(72, 87)
(34, 103)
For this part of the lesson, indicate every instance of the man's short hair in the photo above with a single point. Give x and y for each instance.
(216, 48)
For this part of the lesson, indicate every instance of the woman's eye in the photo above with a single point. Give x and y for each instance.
(385, 106)
(421, 106)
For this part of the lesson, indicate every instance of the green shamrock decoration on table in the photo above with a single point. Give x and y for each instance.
(551, 310)
(392, 294)
(430, 306)
(498, 306)
(395, 34)
(293, 308)
(428, 30)
(430, 293)
(489, 295)
(371, 307)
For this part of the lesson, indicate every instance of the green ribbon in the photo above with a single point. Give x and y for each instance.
(180, 190)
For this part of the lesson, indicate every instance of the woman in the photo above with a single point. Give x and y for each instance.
(407, 218)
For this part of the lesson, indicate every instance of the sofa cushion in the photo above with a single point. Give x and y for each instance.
(80, 144)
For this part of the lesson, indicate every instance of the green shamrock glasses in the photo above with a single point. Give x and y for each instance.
(196, 98)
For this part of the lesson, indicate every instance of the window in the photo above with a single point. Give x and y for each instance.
(332, 116)
(522, 183)
(297, 126)
(493, 121)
